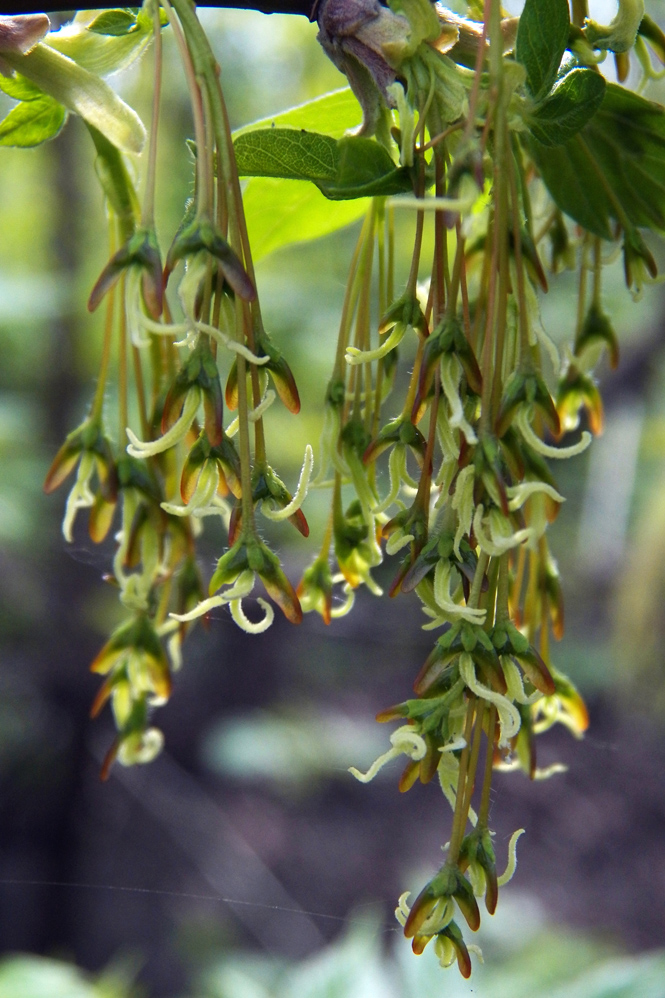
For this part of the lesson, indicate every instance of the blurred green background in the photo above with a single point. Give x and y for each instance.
(246, 862)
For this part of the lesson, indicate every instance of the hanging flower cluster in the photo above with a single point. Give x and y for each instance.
(493, 132)
(176, 459)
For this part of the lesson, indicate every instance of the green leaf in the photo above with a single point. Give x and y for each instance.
(287, 153)
(282, 212)
(19, 88)
(334, 113)
(574, 100)
(366, 170)
(346, 168)
(113, 22)
(542, 36)
(32, 122)
(614, 168)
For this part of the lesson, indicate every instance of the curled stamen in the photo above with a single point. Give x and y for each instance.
(512, 858)
(242, 621)
(404, 741)
(200, 610)
(397, 541)
(455, 746)
(254, 415)
(164, 328)
(141, 449)
(514, 682)
(442, 578)
(241, 587)
(533, 440)
(463, 503)
(402, 911)
(230, 343)
(80, 496)
(347, 605)
(300, 493)
(396, 470)
(497, 544)
(355, 356)
(509, 718)
(518, 494)
(451, 374)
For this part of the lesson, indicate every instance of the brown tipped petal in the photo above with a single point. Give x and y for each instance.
(62, 465)
(409, 776)
(420, 912)
(101, 518)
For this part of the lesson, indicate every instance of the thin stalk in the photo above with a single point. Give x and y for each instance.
(476, 585)
(351, 295)
(140, 391)
(597, 272)
(473, 763)
(98, 401)
(148, 212)
(425, 482)
(519, 263)
(203, 153)
(484, 808)
(466, 313)
(122, 370)
(456, 275)
(407, 408)
(383, 305)
(582, 286)
(477, 69)
(502, 591)
(459, 815)
(440, 244)
(242, 317)
(580, 12)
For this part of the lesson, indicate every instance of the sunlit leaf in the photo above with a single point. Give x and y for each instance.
(113, 22)
(103, 51)
(32, 122)
(345, 168)
(334, 113)
(19, 88)
(281, 212)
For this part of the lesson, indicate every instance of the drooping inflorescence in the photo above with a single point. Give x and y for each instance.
(500, 137)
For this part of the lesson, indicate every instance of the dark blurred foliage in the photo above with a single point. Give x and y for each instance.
(248, 832)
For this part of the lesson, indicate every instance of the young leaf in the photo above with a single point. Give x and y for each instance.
(541, 41)
(19, 88)
(572, 103)
(113, 22)
(350, 167)
(32, 122)
(614, 168)
(282, 212)
(334, 113)
(289, 153)
(102, 52)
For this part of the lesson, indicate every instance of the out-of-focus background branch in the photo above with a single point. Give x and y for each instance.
(224, 868)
